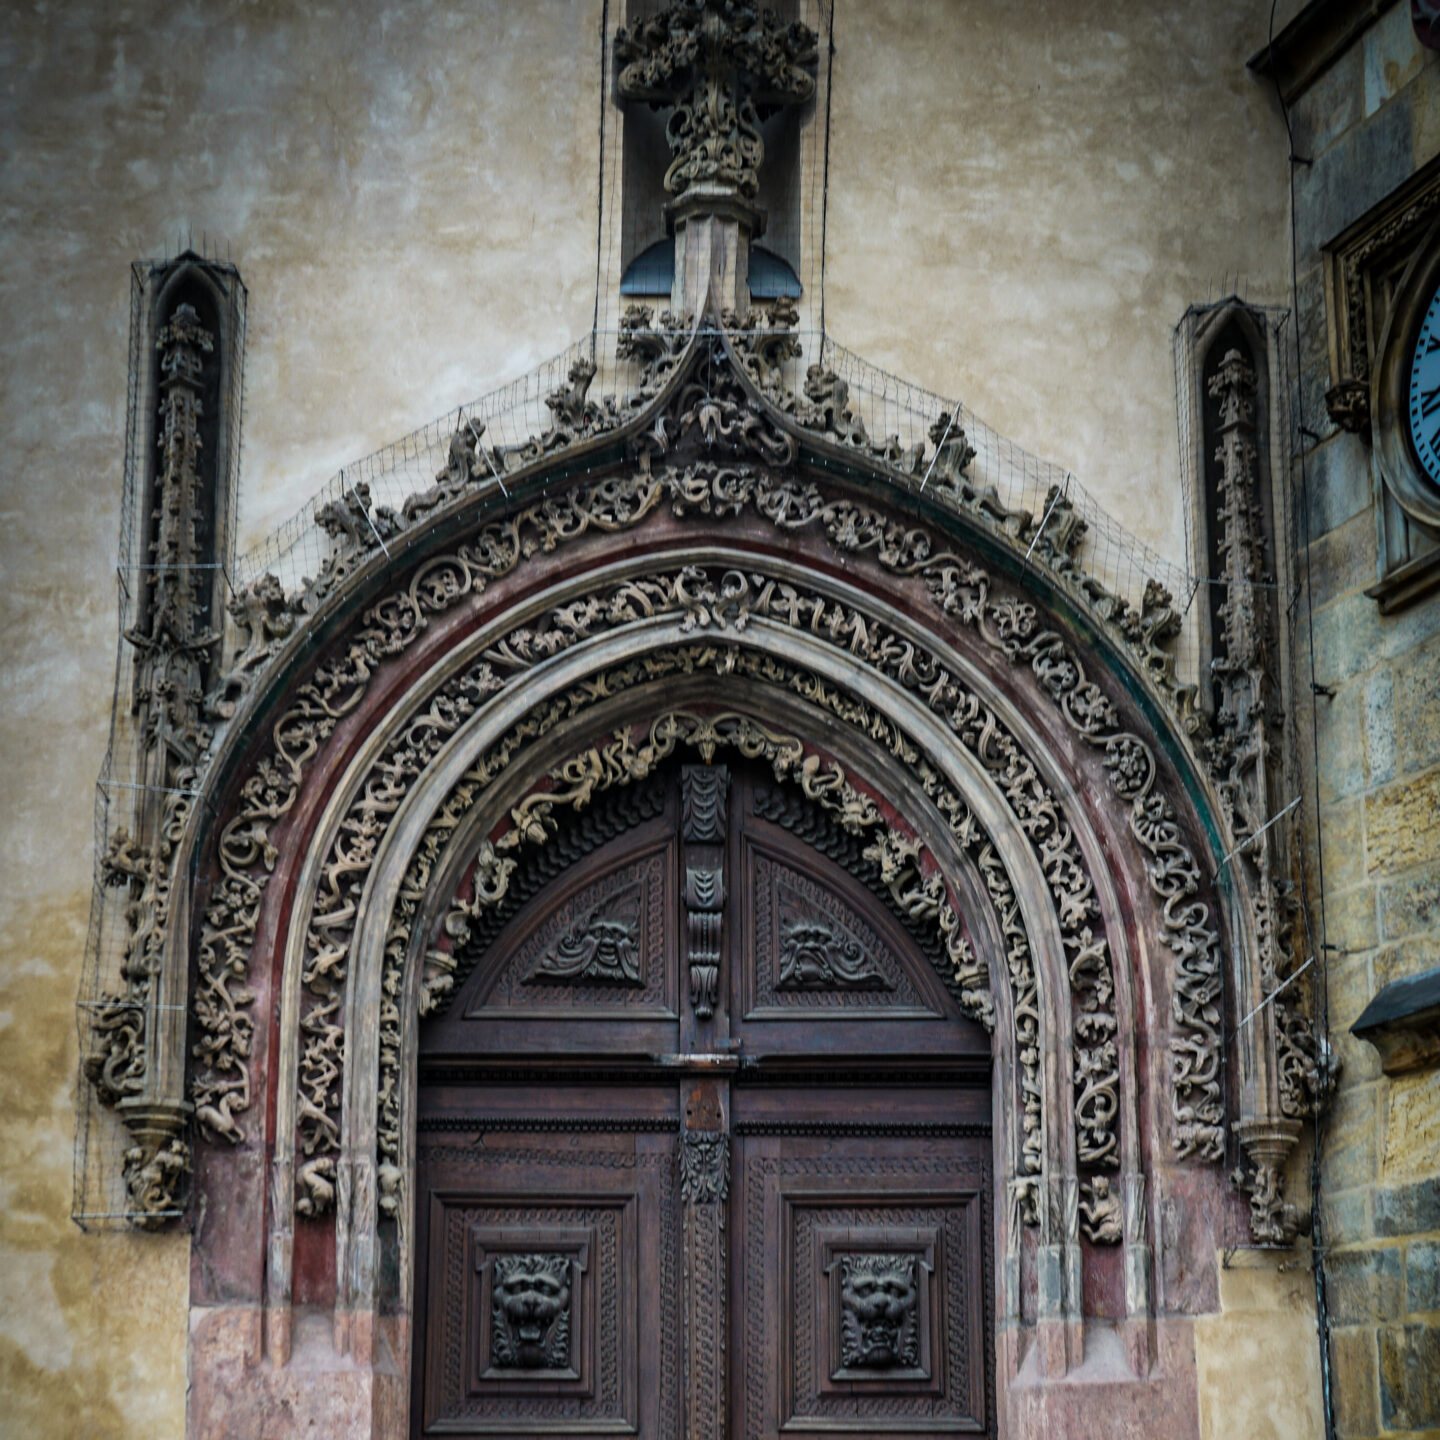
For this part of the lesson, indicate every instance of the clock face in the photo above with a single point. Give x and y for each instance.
(1425, 392)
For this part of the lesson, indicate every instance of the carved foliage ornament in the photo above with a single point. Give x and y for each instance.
(715, 62)
(703, 791)
(704, 1167)
(394, 624)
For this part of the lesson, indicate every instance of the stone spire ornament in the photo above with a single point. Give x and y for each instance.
(724, 66)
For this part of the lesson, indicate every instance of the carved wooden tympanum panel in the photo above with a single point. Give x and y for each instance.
(704, 1148)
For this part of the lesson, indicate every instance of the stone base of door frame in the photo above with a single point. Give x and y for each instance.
(356, 1389)
(344, 1378)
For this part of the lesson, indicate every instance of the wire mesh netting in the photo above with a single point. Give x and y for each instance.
(888, 407)
(900, 418)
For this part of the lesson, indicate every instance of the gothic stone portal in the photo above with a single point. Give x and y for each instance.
(704, 1142)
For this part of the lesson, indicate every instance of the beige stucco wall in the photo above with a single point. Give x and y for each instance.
(1021, 206)
(1258, 1360)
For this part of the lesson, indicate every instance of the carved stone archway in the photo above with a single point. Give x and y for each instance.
(1008, 738)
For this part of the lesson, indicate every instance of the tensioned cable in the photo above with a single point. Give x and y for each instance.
(1322, 971)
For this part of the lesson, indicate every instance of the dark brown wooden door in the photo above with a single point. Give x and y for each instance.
(704, 1143)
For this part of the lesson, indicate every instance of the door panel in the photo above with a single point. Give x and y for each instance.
(704, 1144)
(822, 962)
(863, 1281)
(599, 946)
(550, 1298)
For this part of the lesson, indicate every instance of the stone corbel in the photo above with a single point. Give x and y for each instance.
(1402, 1022)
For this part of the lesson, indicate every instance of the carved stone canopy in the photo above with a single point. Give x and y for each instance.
(722, 65)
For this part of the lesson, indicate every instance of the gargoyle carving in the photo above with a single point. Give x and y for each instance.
(879, 1312)
(530, 1312)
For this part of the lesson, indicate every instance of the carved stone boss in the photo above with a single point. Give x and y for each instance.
(703, 791)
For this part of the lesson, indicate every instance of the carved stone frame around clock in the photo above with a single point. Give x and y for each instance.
(1380, 274)
(1401, 479)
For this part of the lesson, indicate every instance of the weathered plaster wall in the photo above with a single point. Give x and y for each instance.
(1021, 207)
(1370, 121)
(1257, 1359)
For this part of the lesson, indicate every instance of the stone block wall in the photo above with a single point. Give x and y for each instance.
(1366, 124)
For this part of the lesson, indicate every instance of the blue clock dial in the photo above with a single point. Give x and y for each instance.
(1425, 392)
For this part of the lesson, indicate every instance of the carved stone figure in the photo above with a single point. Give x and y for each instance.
(879, 1312)
(464, 465)
(1100, 1211)
(816, 955)
(266, 617)
(530, 1312)
(154, 1180)
(353, 523)
(1273, 1220)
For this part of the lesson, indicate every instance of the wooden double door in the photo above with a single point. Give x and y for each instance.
(704, 1144)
